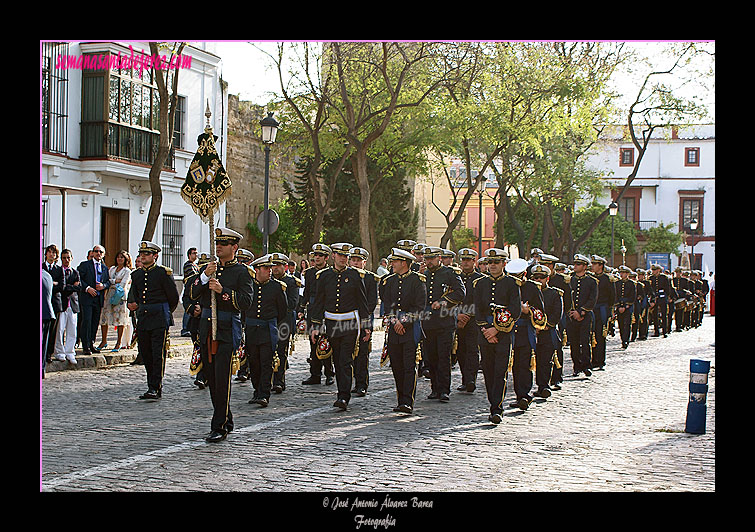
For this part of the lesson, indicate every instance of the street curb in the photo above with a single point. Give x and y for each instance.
(106, 360)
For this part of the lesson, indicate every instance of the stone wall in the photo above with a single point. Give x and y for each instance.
(245, 165)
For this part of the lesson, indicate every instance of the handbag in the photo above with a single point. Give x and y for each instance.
(116, 298)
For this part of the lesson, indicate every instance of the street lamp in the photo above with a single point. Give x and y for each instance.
(693, 228)
(483, 179)
(613, 208)
(269, 131)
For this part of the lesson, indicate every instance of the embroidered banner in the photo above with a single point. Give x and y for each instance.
(207, 183)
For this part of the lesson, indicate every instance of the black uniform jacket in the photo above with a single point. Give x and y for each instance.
(660, 286)
(442, 284)
(626, 293)
(606, 293)
(553, 300)
(339, 292)
(269, 309)
(154, 290)
(404, 299)
(503, 290)
(310, 289)
(467, 306)
(584, 293)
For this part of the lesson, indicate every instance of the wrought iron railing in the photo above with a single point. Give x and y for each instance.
(116, 141)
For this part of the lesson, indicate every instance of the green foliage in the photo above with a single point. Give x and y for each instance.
(286, 239)
(663, 239)
(462, 237)
(599, 242)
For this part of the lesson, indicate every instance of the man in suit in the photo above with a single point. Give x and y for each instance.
(50, 265)
(95, 280)
(47, 314)
(66, 299)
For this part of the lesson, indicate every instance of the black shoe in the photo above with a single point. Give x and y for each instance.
(523, 403)
(341, 403)
(471, 387)
(495, 418)
(330, 380)
(312, 380)
(240, 378)
(215, 437)
(360, 392)
(555, 386)
(150, 394)
(277, 388)
(263, 402)
(200, 384)
(406, 409)
(462, 388)
(444, 397)
(434, 395)
(94, 349)
(544, 393)
(588, 372)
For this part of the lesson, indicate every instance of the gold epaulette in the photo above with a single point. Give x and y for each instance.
(168, 270)
(518, 281)
(360, 270)
(474, 283)
(282, 283)
(421, 276)
(299, 284)
(456, 269)
(317, 275)
(557, 289)
(536, 283)
(385, 278)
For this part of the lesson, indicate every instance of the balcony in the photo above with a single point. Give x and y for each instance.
(118, 142)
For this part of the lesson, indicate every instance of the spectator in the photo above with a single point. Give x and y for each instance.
(383, 268)
(94, 281)
(190, 268)
(303, 265)
(47, 314)
(50, 265)
(114, 311)
(67, 296)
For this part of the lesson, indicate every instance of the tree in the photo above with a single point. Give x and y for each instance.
(286, 239)
(662, 239)
(167, 119)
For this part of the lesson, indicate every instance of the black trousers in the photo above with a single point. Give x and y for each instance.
(260, 360)
(521, 369)
(558, 373)
(659, 317)
(599, 351)
(152, 350)
(315, 364)
(467, 352)
(625, 324)
(362, 366)
(403, 359)
(437, 357)
(544, 360)
(579, 339)
(218, 374)
(279, 376)
(90, 320)
(343, 358)
(495, 366)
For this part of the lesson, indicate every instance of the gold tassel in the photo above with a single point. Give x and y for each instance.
(533, 361)
(564, 340)
(593, 341)
(356, 348)
(511, 360)
(235, 361)
(276, 362)
(556, 363)
(419, 353)
(455, 344)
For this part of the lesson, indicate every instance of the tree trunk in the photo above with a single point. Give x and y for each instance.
(360, 171)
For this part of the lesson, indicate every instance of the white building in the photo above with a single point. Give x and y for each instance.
(675, 184)
(98, 137)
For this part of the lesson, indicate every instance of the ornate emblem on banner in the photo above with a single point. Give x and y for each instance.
(207, 182)
(502, 318)
(323, 348)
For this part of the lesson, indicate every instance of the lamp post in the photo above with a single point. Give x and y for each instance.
(269, 131)
(613, 208)
(483, 179)
(693, 229)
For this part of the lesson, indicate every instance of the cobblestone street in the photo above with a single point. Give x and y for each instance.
(620, 430)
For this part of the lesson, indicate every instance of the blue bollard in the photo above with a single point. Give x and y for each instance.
(698, 391)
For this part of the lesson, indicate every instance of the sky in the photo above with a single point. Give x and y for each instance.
(251, 76)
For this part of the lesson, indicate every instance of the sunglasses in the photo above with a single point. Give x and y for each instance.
(494, 261)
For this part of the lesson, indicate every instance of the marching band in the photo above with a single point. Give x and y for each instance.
(491, 313)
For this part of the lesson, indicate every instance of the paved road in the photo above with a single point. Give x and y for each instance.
(620, 430)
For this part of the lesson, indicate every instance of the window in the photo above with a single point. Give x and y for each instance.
(691, 208)
(626, 157)
(54, 98)
(178, 131)
(172, 254)
(691, 156)
(626, 208)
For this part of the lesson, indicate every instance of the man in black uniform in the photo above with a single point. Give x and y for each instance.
(232, 284)
(659, 284)
(194, 311)
(637, 311)
(403, 295)
(701, 290)
(262, 328)
(320, 253)
(642, 278)
(626, 295)
(560, 279)
(154, 297)
(340, 313)
(444, 291)
(246, 257)
(548, 337)
(497, 307)
(286, 328)
(357, 258)
(602, 310)
(584, 294)
(467, 350)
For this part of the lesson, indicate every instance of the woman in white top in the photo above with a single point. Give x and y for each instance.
(117, 314)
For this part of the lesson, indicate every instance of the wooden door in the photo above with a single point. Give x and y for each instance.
(114, 233)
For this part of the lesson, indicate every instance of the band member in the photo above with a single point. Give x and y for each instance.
(467, 350)
(287, 325)
(687, 314)
(548, 337)
(626, 295)
(246, 257)
(701, 291)
(357, 258)
(194, 310)
(560, 279)
(403, 294)
(232, 284)
(497, 307)
(444, 291)
(679, 284)
(154, 297)
(418, 250)
(340, 313)
(602, 310)
(659, 285)
(584, 294)
(447, 259)
(639, 309)
(320, 254)
(263, 324)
